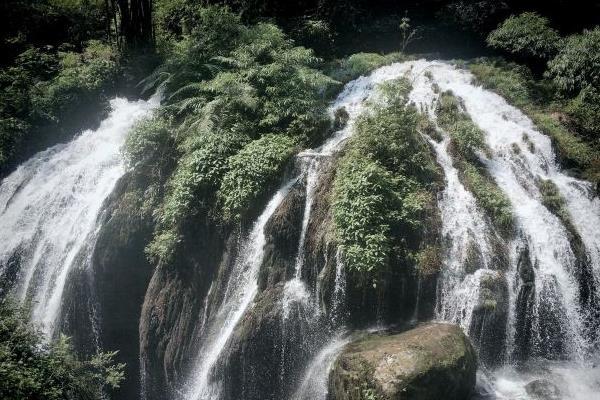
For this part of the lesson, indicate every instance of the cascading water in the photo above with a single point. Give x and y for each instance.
(49, 210)
(242, 286)
(556, 315)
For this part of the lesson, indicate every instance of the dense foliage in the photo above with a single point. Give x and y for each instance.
(43, 95)
(383, 185)
(528, 34)
(239, 99)
(576, 66)
(32, 369)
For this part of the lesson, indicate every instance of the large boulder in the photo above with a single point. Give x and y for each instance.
(432, 361)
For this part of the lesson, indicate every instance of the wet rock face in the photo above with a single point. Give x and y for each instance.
(490, 316)
(430, 362)
(281, 331)
(282, 234)
(543, 389)
(172, 312)
(525, 301)
(266, 350)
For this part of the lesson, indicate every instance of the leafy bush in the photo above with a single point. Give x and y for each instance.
(146, 142)
(508, 80)
(467, 138)
(488, 196)
(33, 369)
(382, 189)
(228, 87)
(577, 64)
(584, 111)
(44, 88)
(528, 34)
(81, 76)
(367, 203)
(252, 172)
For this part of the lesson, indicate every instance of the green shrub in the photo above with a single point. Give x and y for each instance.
(80, 78)
(252, 172)
(42, 90)
(489, 196)
(528, 34)
(508, 80)
(366, 204)
(584, 111)
(467, 138)
(228, 87)
(146, 142)
(571, 149)
(577, 64)
(551, 196)
(33, 369)
(383, 184)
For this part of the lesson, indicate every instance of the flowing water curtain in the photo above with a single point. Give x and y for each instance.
(552, 278)
(50, 206)
(204, 381)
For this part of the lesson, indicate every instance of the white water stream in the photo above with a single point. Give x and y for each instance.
(466, 229)
(49, 209)
(516, 173)
(242, 287)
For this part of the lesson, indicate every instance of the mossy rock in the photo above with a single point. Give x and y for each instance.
(432, 361)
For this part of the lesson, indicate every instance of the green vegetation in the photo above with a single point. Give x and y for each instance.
(551, 197)
(577, 64)
(383, 185)
(528, 34)
(256, 167)
(240, 100)
(43, 93)
(584, 111)
(537, 99)
(466, 141)
(33, 369)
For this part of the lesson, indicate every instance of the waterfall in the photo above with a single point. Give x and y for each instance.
(242, 286)
(564, 298)
(49, 208)
(314, 385)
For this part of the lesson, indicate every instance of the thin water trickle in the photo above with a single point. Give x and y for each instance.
(242, 288)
